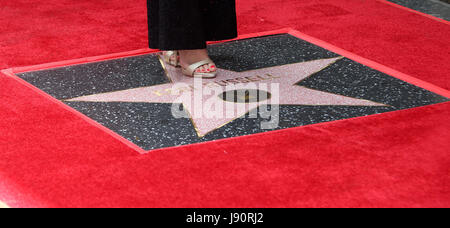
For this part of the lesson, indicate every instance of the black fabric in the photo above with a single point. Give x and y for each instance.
(188, 24)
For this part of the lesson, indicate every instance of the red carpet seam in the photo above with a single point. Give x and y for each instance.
(12, 71)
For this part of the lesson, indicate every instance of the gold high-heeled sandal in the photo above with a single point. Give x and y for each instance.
(191, 70)
(172, 58)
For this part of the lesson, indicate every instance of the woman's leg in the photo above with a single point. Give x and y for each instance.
(186, 25)
(219, 19)
(218, 23)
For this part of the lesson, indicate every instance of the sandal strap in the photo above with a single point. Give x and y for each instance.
(168, 55)
(191, 69)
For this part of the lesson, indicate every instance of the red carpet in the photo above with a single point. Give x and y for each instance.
(50, 157)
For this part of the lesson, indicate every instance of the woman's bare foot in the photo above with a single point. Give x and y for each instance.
(188, 57)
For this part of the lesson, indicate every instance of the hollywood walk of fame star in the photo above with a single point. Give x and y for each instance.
(201, 99)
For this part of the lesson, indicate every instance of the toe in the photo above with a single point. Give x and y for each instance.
(212, 67)
(208, 68)
(201, 69)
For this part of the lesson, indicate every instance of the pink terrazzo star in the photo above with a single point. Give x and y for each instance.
(209, 111)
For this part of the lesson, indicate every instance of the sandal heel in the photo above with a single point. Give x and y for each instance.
(169, 56)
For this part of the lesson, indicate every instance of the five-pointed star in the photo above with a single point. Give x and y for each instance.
(286, 93)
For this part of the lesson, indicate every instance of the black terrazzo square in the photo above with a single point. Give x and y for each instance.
(151, 125)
